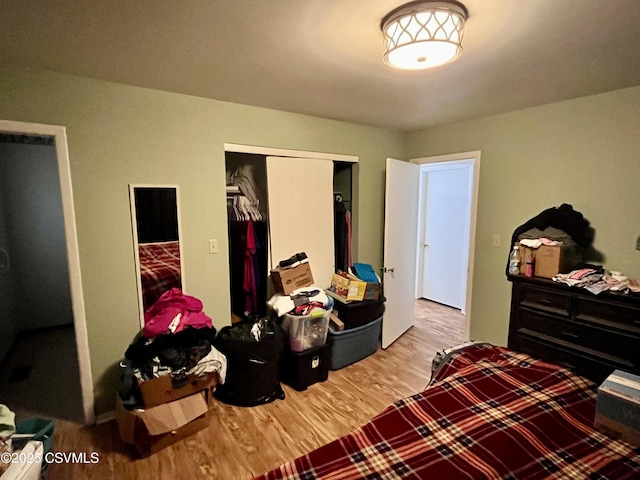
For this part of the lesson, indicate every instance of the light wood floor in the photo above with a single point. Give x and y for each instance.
(243, 442)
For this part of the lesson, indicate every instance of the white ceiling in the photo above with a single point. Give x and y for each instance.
(324, 57)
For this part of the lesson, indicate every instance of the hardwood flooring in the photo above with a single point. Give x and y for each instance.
(242, 442)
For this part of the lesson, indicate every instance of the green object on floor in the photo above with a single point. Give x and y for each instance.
(7, 422)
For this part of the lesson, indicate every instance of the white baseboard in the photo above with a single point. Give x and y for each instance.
(105, 417)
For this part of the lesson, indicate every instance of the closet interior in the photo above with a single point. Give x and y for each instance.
(247, 218)
(248, 215)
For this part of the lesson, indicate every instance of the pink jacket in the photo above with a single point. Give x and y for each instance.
(173, 302)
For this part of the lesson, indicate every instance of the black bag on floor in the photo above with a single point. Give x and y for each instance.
(253, 351)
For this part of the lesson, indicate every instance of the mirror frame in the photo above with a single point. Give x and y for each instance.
(136, 245)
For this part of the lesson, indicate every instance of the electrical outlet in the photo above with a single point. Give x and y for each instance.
(496, 241)
(213, 246)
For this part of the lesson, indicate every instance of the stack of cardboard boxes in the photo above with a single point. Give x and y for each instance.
(170, 414)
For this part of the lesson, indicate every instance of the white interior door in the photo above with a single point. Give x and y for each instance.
(400, 238)
(301, 213)
(445, 239)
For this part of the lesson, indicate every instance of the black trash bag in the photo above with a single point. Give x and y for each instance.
(253, 351)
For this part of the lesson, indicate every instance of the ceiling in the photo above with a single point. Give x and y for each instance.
(324, 57)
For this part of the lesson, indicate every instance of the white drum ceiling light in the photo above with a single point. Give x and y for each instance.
(423, 34)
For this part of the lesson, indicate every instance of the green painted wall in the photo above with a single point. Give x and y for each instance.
(584, 152)
(119, 135)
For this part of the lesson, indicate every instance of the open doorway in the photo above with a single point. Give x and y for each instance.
(44, 349)
(446, 226)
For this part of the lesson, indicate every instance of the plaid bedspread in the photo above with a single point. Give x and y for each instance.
(159, 269)
(490, 413)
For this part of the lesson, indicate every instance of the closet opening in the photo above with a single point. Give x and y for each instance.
(279, 203)
(247, 223)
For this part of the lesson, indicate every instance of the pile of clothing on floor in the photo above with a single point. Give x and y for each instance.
(177, 340)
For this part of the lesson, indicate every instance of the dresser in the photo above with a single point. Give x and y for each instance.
(590, 334)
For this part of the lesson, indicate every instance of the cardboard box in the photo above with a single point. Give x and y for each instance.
(349, 289)
(286, 280)
(550, 260)
(353, 289)
(161, 390)
(618, 407)
(373, 291)
(153, 429)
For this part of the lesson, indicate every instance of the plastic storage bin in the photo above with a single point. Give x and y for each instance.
(306, 331)
(356, 314)
(301, 369)
(350, 346)
(40, 429)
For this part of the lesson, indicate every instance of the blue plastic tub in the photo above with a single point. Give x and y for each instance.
(352, 345)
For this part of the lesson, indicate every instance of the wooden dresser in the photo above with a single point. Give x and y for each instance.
(590, 334)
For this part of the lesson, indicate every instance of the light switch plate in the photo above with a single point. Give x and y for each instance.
(213, 245)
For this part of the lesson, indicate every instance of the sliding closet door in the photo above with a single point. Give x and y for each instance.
(301, 212)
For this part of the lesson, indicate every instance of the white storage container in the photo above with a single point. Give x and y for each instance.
(306, 331)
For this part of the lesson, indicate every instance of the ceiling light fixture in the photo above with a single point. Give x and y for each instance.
(423, 34)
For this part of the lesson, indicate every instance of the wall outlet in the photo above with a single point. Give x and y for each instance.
(213, 246)
(496, 241)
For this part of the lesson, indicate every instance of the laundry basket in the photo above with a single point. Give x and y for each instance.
(40, 429)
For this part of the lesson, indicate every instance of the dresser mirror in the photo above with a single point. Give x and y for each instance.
(155, 220)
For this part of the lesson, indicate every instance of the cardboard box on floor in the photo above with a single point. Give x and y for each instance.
(286, 280)
(618, 407)
(550, 260)
(152, 429)
(161, 390)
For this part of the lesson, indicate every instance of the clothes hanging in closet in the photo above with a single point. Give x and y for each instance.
(342, 232)
(248, 267)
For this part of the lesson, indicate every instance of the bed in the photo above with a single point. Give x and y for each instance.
(488, 413)
(159, 269)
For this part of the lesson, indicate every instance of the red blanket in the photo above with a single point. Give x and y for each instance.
(490, 414)
(159, 269)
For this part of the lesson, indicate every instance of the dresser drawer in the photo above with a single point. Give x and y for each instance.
(582, 363)
(593, 334)
(546, 300)
(600, 338)
(592, 309)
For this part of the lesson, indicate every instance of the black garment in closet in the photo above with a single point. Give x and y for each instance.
(341, 247)
(237, 258)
